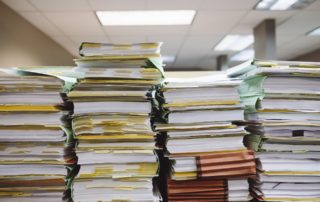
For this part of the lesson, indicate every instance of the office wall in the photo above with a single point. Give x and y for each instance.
(22, 44)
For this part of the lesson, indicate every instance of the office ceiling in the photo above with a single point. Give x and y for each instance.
(69, 22)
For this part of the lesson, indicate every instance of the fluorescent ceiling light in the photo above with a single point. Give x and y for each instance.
(315, 32)
(243, 55)
(282, 4)
(168, 58)
(234, 43)
(147, 17)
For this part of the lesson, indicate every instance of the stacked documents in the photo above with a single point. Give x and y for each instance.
(35, 140)
(112, 122)
(284, 98)
(100, 49)
(209, 160)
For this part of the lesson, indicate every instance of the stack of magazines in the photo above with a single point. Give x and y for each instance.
(283, 97)
(208, 158)
(37, 149)
(112, 121)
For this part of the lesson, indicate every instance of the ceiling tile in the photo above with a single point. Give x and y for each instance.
(308, 15)
(301, 45)
(200, 45)
(98, 39)
(128, 39)
(314, 6)
(172, 4)
(217, 22)
(67, 44)
(301, 23)
(242, 29)
(282, 39)
(61, 5)
(171, 44)
(146, 30)
(42, 23)
(228, 4)
(253, 18)
(70, 22)
(194, 49)
(76, 23)
(117, 4)
(19, 5)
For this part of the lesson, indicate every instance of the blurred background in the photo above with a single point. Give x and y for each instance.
(197, 34)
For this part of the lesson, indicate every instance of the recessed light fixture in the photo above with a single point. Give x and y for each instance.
(146, 17)
(314, 32)
(282, 4)
(243, 55)
(234, 43)
(168, 58)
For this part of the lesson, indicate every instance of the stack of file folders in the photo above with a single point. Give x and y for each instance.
(112, 122)
(209, 160)
(284, 99)
(37, 149)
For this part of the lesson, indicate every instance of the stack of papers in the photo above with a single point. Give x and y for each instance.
(209, 160)
(283, 98)
(37, 148)
(206, 189)
(112, 122)
(101, 49)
